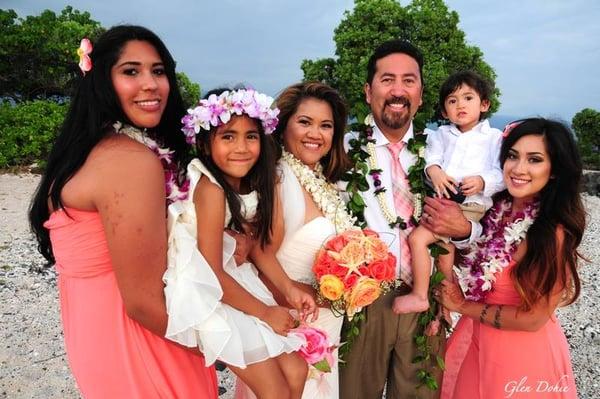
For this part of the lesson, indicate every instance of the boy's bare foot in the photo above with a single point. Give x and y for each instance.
(411, 303)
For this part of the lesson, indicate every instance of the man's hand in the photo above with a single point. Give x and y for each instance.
(472, 185)
(443, 217)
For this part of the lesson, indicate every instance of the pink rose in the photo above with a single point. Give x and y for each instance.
(317, 344)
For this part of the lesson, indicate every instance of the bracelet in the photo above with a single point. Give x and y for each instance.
(483, 313)
(497, 317)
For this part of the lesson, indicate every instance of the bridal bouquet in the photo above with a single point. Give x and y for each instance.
(353, 269)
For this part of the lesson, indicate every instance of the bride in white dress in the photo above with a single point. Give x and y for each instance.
(309, 210)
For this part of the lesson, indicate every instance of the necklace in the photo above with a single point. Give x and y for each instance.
(174, 191)
(324, 194)
(365, 162)
(493, 251)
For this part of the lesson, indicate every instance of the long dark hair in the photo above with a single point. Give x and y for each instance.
(542, 267)
(336, 162)
(93, 109)
(260, 178)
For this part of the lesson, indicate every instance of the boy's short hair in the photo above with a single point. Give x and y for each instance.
(482, 86)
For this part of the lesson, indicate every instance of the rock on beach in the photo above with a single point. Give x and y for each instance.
(32, 357)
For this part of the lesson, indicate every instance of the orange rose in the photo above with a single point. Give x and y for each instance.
(376, 249)
(370, 233)
(350, 281)
(326, 264)
(351, 234)
(364, 293)
(322, 264)
(382, 270)
(353, 254)
(331, 287)
(337, 243)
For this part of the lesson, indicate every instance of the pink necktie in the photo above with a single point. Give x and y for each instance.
(404, 208)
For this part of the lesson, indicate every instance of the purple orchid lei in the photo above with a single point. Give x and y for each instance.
(375, 173)
(493, 251)
(218, 110)
(174, 190)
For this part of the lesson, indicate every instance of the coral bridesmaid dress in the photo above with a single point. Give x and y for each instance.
(111, 355)
(484, 362)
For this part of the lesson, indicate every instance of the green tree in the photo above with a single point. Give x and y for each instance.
(190, 91)
(38, 54)
(586, 124)
(28, 130)
(426, 23)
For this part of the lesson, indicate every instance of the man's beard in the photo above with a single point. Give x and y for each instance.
(395, 120)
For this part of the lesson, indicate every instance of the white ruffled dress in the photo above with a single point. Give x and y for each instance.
(196, 315)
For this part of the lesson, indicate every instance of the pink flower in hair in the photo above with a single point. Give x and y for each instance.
(84, 50)
(509, 128)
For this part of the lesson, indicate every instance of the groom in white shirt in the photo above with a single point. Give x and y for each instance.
(384, 350)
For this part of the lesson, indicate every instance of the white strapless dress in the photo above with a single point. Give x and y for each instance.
(196, 315)
(297, 253)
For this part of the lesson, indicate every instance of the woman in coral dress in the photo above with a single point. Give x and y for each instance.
(99, 214)
(508, 343)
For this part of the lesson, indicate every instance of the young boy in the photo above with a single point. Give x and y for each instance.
(461, 158)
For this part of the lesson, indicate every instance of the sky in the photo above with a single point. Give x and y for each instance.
(546, 53)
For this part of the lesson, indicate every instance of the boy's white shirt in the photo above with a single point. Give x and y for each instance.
(472, 153)
(374, 217)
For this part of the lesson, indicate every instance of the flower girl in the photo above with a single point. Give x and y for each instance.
(214, 304)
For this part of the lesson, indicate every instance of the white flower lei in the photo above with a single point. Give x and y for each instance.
(389, 214)
(324, 193)
(174, 191)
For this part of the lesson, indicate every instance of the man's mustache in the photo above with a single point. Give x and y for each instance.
(398, 100)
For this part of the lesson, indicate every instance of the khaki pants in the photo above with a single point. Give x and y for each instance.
(383, 352)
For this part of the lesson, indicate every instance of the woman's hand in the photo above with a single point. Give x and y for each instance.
(303, 302)
(450, 296)
(279, 319)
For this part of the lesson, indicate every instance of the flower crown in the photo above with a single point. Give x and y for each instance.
(217, 110)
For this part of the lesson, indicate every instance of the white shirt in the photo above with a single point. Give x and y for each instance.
(373, 214)
(472, 153)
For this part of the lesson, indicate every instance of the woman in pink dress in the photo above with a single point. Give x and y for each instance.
(99, 214)
(508, 343)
